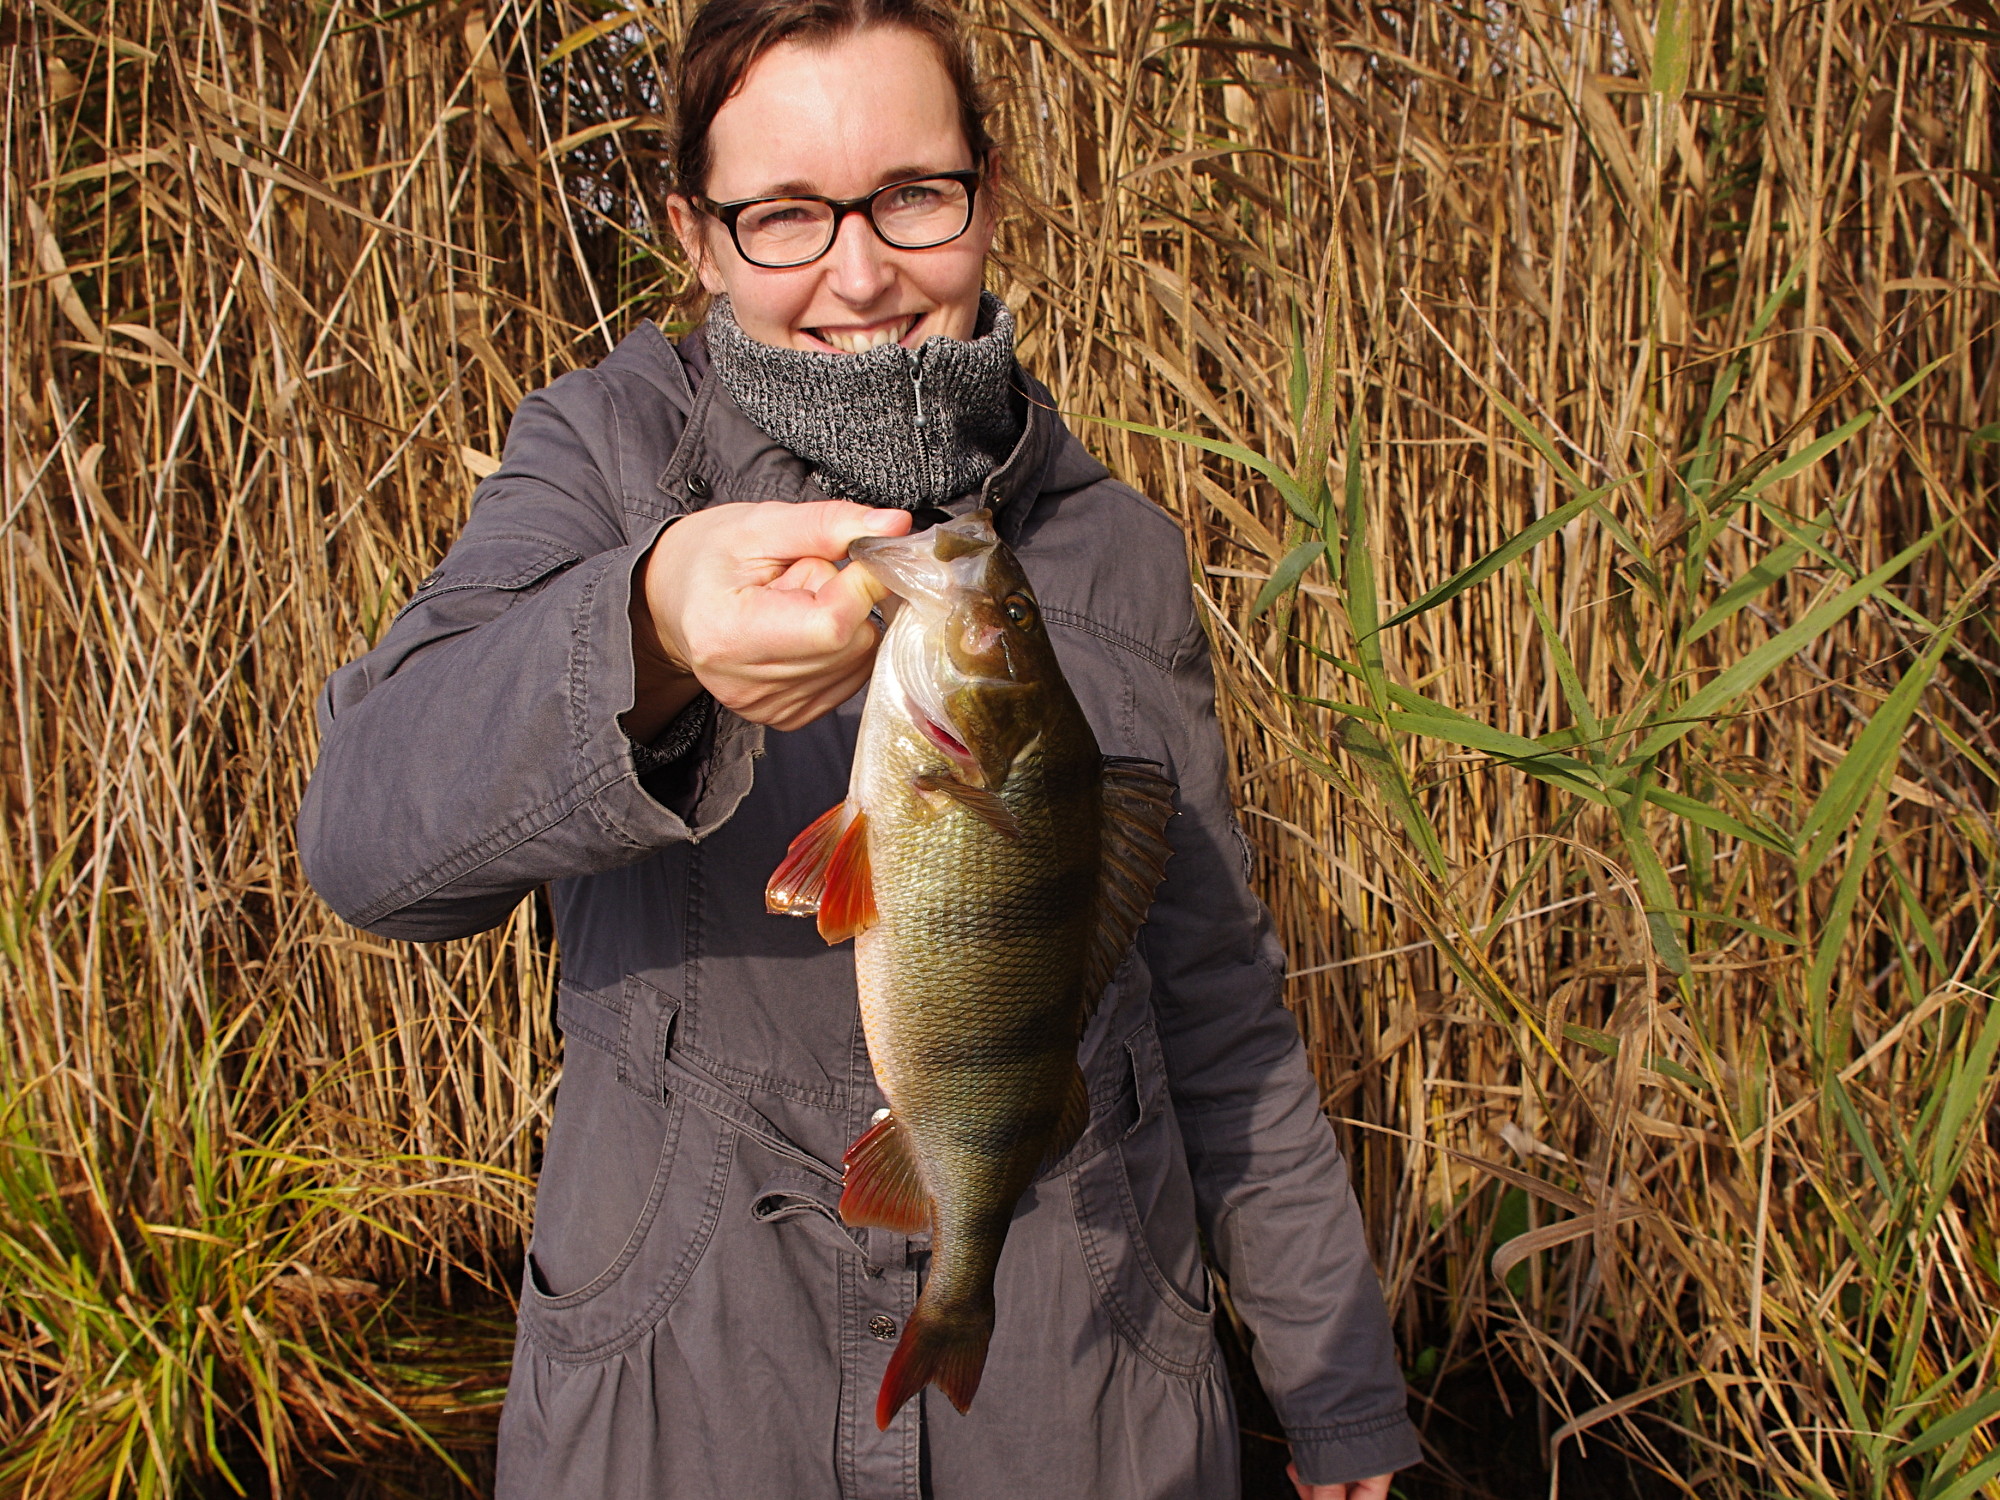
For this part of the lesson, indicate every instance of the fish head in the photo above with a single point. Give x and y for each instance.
(975, 663)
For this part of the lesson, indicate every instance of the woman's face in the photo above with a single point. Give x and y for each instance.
(839, 121)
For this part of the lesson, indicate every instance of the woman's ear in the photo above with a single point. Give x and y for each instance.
(691, 229)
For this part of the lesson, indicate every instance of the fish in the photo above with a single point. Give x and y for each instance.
(993, 868)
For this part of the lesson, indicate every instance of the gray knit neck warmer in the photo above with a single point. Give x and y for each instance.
(891, 427)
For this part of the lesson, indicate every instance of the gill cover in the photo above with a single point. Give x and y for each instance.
(966, 643)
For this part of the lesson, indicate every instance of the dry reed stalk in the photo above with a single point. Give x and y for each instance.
(274, 284)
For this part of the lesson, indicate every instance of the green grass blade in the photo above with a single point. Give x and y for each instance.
(1743, 924)
(1656, 887)
(1953, 1427)
(1967, 1095)
(1970, 1483)
(1857, 1131)
(1580, 706)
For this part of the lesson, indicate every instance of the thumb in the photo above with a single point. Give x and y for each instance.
(849, 595)
(823, 528)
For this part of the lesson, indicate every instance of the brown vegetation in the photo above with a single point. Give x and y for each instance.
(1639, 884)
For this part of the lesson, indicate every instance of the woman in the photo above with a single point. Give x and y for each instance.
(636, 677)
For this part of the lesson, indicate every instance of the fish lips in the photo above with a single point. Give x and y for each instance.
(929, 567)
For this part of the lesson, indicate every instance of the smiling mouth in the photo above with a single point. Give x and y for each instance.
(861, 340)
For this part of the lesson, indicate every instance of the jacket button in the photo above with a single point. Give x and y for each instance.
(697, 487)
(882, 1326)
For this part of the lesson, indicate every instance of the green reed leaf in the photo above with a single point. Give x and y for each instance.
(1833, 929)
(1742, 675)
(1872, 757)
(1528, 537)
(1715, 819)
(1379, 764)
(1294, 495)
(1766, 574)
(1670, 50)
(1291, 568)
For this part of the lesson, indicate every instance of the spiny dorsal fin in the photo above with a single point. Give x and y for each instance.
(982, 804)
(1138, 801)
(826, 870)
(882, 1188)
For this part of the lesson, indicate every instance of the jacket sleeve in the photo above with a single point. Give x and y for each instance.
(1271, 1187)
(476, 751)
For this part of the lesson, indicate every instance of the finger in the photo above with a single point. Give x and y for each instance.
(819, 528)
(808, 573)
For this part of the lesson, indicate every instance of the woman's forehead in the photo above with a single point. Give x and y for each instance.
(838, 119)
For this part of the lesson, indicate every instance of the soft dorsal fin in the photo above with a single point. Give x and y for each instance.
(826, 870)
(1138, 801)
(1071, 1122)
(882, 1188)
(982, 804)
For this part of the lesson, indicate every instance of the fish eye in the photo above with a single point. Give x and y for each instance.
(1020, 609)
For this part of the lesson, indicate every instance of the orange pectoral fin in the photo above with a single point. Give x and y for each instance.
(847, 908)
(798, 886)
(826, 871)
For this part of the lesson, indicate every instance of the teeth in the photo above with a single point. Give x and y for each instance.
(861, 341)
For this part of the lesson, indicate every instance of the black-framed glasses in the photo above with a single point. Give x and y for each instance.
(915, 214)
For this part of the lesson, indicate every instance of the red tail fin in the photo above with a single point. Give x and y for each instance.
(948, 1349)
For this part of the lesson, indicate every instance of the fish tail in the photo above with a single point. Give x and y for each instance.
(942, 1347)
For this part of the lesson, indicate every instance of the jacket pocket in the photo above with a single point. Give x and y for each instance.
(1135, 1219)
(614, 1242)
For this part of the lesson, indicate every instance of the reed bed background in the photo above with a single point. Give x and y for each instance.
(1583, 419)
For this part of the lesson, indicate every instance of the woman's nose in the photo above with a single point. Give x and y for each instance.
(858, 264)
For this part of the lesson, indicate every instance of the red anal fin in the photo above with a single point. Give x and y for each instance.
(982, 804)
(848, 906)
(883, 1189)
(826, 871)
(948, 1350)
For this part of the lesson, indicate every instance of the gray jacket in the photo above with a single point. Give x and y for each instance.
(696, 1321)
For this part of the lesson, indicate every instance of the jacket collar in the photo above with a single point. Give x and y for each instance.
(723, 456)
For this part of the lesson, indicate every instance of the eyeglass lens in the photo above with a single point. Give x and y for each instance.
(908, 215)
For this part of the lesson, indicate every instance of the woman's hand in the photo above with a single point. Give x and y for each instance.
(745, 600)
(1361, 1489)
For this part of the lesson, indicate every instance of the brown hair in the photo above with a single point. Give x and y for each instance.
(728, 36)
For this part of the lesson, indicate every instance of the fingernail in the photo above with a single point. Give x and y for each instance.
(883, 521)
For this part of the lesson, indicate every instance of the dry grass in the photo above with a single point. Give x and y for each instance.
(1641, 921)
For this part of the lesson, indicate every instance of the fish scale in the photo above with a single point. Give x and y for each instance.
(992, 866)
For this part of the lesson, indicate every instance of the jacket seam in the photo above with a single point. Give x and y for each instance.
(507, 837)
(1088, 626)
(1366, 1427)
(831, 1097)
